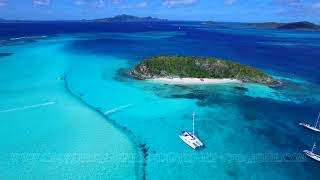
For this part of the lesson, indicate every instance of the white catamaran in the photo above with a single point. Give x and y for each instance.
(314, 128)
(311, 154)
(190, 138)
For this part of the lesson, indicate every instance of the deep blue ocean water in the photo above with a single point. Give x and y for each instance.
(250, 130)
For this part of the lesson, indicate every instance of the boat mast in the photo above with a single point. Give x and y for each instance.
(317, 120)
(314, 146)
(193, 114)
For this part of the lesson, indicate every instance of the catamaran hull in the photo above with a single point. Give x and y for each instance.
(191, 140)
(190, 144)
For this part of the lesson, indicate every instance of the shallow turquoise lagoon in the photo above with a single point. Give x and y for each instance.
(49, 134)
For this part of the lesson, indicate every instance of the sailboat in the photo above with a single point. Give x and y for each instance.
(190, 138)
(311, 154)
(314, 128)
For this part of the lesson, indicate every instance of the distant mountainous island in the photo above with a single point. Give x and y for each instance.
(303, 25)
(198, 67)
(212, 23)
(265, 24)
(300, 26)
(129, 18)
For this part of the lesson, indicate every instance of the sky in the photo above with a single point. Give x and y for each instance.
(195, 10)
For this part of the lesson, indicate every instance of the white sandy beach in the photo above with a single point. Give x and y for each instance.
(194, 80)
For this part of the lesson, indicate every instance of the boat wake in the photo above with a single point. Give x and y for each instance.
(117, 109)
(27, 37)
(28, 107)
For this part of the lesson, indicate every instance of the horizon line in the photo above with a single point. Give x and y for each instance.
(172, 20)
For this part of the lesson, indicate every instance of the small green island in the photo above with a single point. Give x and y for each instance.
(198, 67)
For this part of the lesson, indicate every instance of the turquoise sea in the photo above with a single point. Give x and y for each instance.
(69, 109)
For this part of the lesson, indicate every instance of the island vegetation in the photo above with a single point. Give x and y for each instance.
(129, 18)
(198, 67)
(303, 25)
(265, 24)
(211, 23)
(300, 26)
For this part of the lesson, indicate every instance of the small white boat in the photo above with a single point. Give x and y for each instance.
(190, 138)
(311, 154)
(314, 128)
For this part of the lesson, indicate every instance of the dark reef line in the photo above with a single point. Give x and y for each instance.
(5, 54)
(141, 146)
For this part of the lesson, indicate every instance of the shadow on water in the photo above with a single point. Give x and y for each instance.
(271, 118)
(277, 119)
(6, 54)
(305, 92)
(122, 75)
(24, 40)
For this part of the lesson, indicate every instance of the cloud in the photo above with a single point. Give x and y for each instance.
(174, 3)
(295, 7)
(3, 3)
(80, 2)
(230, 2)
(99, 3)
(116, 1)
(41, 2)
(287, 2)
(142, 4)
(103, 3)
(316, 5)
(298, 8)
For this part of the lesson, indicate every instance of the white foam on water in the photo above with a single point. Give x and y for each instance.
(27, 37)
(117, 109)
(28, 107)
